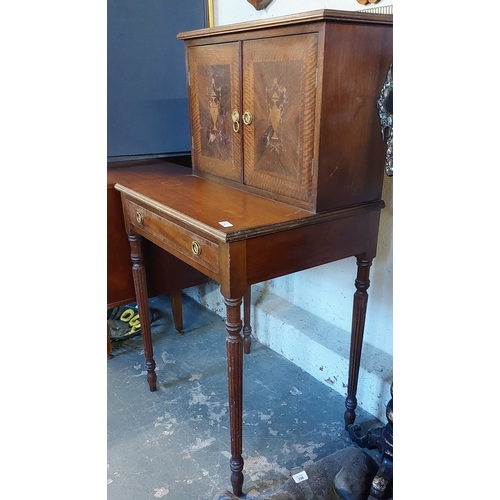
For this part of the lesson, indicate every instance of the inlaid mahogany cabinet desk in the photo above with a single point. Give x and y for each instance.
(288, 166)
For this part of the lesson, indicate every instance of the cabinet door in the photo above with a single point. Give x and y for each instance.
(279, 91)
(214, 92)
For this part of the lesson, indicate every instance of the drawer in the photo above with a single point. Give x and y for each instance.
(174, 237)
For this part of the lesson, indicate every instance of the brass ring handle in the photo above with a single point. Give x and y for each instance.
(235, 116)
(196, 248)
(247, 118)
(139, 217)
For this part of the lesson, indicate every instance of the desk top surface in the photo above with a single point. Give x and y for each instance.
(225, 212)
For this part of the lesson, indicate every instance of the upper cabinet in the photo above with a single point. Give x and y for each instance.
(286, 108)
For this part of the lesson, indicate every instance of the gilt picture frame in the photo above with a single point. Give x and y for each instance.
(210, 14)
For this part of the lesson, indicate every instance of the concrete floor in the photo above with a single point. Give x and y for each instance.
(174, 443)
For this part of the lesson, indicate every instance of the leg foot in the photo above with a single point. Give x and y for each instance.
(236, 465)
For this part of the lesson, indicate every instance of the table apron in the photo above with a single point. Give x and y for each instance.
(287, 252)
(235, 265)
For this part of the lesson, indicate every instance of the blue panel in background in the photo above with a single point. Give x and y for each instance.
(147, 92)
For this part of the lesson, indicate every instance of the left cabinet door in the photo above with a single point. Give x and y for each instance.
(214, 84)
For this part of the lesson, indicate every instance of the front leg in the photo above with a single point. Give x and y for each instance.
(234, 350)
(357, 330)
(141, 296)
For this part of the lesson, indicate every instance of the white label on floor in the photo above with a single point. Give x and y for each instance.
(299, 477)
(225, 223)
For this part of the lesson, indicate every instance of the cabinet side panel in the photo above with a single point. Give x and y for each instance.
(214, 92)
(352, 152)
(279, 90)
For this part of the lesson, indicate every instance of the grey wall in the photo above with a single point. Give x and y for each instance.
(147, 95)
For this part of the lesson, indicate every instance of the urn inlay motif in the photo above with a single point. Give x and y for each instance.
(214, 105)
(276, 100)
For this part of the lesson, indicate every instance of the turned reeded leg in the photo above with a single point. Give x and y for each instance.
(234, 349)
(247, 329)
(176, 305)
(362, 283)
(141, 296)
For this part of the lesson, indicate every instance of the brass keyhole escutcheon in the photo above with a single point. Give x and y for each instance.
(196, 248)
(247, 118)
(139, 217)
(235, 116)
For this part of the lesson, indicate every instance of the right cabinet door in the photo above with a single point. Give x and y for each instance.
(278, 114)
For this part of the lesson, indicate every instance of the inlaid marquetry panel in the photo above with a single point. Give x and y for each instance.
(279, 90)
(213, 77)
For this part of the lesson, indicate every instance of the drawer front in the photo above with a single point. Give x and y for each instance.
(189, 244)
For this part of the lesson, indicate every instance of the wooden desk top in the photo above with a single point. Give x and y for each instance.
(173, 190)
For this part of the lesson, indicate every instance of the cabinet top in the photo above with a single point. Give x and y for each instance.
(303, 17)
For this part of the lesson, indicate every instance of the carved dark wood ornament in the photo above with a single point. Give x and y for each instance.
(385, 112)
(260, 4)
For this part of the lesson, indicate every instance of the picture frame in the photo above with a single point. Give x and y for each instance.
(210, 14)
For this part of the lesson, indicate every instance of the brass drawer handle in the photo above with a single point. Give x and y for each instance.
(235, 116)
(247, 117)
(139, 217)
(196, 248)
